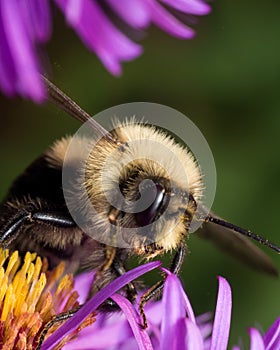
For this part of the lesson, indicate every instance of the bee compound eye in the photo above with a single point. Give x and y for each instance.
(159, 199)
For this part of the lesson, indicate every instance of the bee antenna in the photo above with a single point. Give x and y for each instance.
(244, 232)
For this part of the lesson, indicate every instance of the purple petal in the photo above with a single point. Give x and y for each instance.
(7, 69)
(73, 10)
(37, 17)
(28, 81)
(154, 312)
(141, 336)
(195, 7)
(222, 318)
(235, 347)
(155, 335)
(184, 296)
(163, 19)
(101, 36)
(272, 336)
(204, 323)
(135, 13)
(173, 313)
(109, 336)
(194, 340)
(83, 282)
(96, 301)
(256, 340)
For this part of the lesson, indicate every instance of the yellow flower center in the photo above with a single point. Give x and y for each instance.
(30, 296)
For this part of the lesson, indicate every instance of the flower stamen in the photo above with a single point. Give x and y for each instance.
(30, 297)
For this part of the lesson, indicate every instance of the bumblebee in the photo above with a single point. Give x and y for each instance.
(35, 217)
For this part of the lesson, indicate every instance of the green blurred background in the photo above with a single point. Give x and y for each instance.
(227, 81)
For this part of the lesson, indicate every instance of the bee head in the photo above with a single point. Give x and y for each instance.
(140, 191)
(154, 184)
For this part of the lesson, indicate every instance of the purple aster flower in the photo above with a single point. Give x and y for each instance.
(107, 292)
(26, 24)
(172, 324)
(171, 320)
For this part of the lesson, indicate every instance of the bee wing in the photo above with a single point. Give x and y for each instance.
(240, 247)
(64, 102)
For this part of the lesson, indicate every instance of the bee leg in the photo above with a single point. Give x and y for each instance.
(156, 289)
(151, 293)
(55, 319)
(113, 216)
(110, 256)
(24, 217)
(130, 292)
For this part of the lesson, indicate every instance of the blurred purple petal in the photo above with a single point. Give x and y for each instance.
(7, 69)
(83, 282)
(25, 24)
(272, 336)
(204, 323)
(194, 340)
(194, 7)
(154, 312)
(109, 336)
(24, 63)
(222, 318)
(95, 302)
(135, 13)
(101, 36)
(163, 19)
(37, 19)
(141, 336)
(256, 340)
(72, 10)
